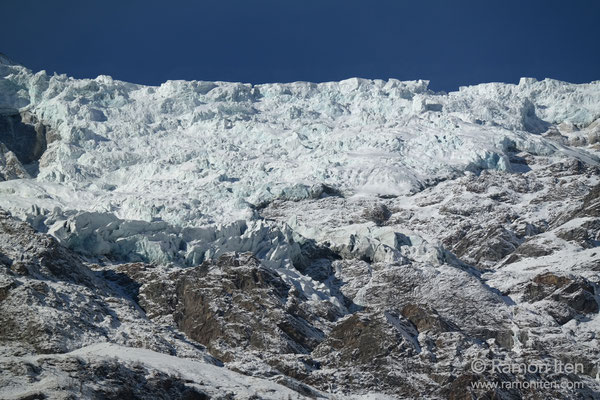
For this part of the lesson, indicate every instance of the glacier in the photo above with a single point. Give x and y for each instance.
(459, 224)
(194, 154)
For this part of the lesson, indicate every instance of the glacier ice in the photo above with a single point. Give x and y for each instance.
(207, 154)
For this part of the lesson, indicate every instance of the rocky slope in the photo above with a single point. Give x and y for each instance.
(354, 239)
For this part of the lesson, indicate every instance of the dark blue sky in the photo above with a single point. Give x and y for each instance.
(450, 42)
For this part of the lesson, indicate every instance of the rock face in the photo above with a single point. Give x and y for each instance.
(23, 140)
(354, 239)
(233, 304)
(23, 135)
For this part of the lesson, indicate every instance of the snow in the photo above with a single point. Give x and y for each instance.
(210, 378)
